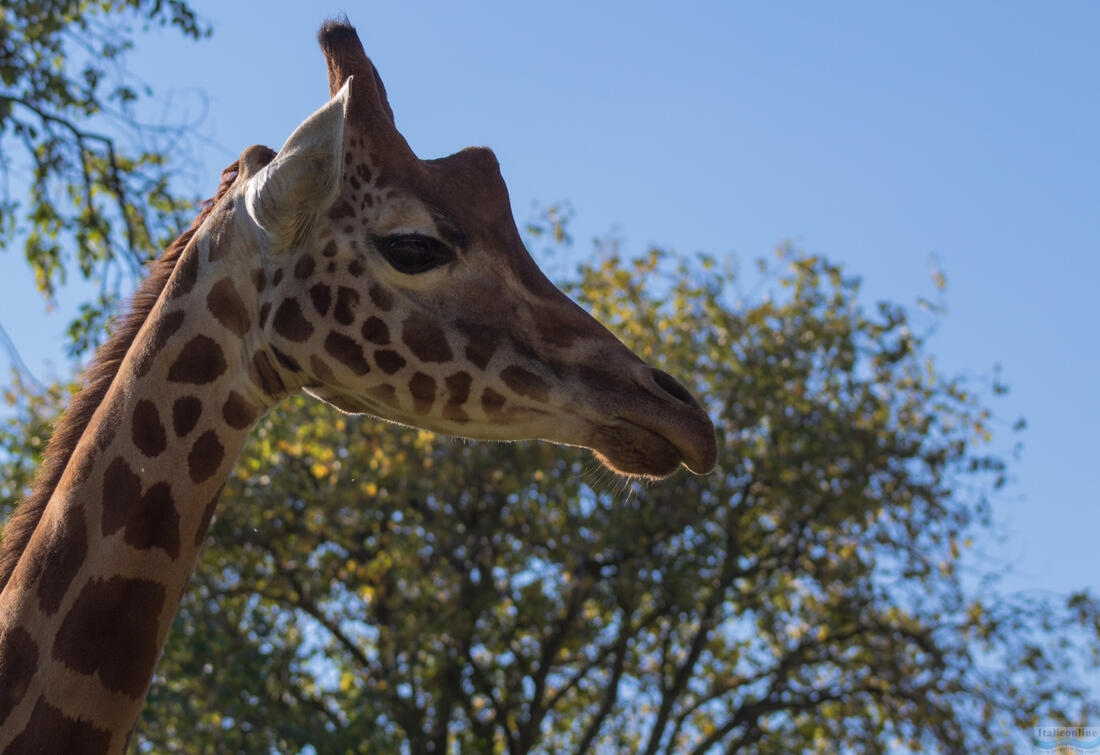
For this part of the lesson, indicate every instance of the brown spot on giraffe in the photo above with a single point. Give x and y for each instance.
(264, 375)
(525, 383)
(425, 339)
(206, 456)
(221, 231)
(422, 388)
(186, 411)
(526, 351)
(187, 271)
(289, 322)
(458, 387)
(329, 250)
(259, 280)
(82, 463)
(56, 565)
(492, 402)
(265, 310)
(150, 520)
(163, 329)
(347, 300)
(321, 296)
(226, 305)
(458, 391)
(388, 361)
(347, 351)
(304, 267)
(385, 393)
(277, 278)
(49, 730)
(237, 412)
(18, 662)
(146, 430)
(355, 267)
(54, 561)
(322, 370)
(286, 360)
(121, 495)
(108, 633)
(200, 361)
(207, 516)
(341, 210)
(480, 345)
(381, 298)
(375, 331)
(155, 523)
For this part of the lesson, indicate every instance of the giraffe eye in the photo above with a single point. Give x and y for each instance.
(413, 253)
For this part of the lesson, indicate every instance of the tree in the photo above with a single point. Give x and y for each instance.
(98, 201)
(367, 588)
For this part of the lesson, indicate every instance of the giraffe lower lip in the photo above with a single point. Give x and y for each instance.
(628, 448)
(695, 448)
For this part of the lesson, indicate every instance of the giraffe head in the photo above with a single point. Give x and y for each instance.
(400, 287)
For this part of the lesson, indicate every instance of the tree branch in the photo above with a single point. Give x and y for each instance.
(114, 182)
(611, 691)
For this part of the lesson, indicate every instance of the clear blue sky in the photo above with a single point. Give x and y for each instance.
(878, 134)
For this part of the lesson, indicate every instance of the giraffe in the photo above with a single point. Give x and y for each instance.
(343, 266)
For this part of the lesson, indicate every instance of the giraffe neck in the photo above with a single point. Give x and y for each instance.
(89, 605)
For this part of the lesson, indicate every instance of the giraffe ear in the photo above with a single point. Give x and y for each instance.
(304, 178)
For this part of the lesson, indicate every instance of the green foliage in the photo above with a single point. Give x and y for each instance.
(98, 201)
(371, 588)
(29, 412)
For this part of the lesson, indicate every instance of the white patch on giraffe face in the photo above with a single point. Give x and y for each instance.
(403, 215)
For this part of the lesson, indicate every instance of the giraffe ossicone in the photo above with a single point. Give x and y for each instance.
(345, 266)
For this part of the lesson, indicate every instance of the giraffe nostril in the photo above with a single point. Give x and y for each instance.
(672, 387)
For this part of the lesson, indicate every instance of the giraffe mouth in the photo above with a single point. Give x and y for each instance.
(634, 450)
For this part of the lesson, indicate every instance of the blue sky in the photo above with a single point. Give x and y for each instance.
(879, 134)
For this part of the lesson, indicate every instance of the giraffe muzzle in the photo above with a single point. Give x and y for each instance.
(655, 427)
(679, 419)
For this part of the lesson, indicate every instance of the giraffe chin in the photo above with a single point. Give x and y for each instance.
(634, 451)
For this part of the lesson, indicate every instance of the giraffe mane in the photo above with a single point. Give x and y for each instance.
(97, 378)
